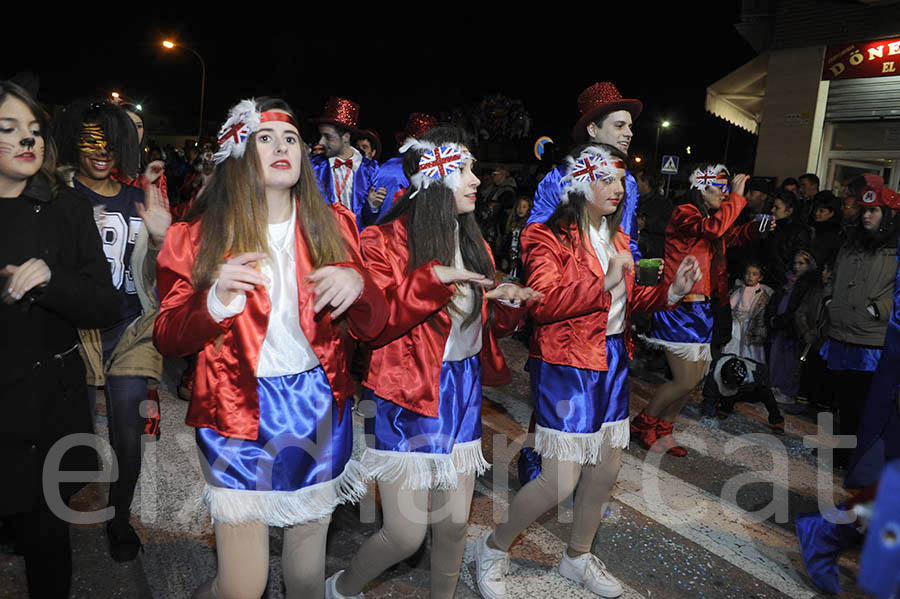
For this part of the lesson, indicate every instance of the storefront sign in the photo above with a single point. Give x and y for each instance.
(862, 59)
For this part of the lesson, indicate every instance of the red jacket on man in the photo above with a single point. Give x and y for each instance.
(705, 238)
(225, 388)
(406, 360)
(572, 315)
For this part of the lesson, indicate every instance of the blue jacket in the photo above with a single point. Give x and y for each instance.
(390, 176)
(362, 182)
(546, 199)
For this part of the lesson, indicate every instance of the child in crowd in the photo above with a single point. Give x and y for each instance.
(784, 356)
(748, 307)
(736, 378)
(510, 258)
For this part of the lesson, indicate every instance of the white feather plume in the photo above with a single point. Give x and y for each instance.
(568, 182)
(419, 180)
(715, 169)
(246, 112)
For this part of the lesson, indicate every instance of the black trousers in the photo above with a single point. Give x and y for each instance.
(44, 540)
(851, 388)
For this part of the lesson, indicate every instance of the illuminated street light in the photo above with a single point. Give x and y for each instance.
(169, 45)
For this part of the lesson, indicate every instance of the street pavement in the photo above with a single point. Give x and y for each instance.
(717, 524)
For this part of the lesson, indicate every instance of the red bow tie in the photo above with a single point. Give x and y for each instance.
(338, 163)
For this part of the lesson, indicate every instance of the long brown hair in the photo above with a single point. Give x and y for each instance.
(431, 219)
(235, 213)
(48, 167)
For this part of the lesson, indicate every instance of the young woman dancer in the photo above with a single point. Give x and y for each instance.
(425, 376)
(703, 228)
(248, 281)
(580, 260)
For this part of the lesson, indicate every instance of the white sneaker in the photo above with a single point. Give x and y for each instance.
(491, 566)
(592, 573)
(331, 591)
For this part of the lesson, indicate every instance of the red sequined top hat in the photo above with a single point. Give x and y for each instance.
(597, 100)
(372, 136)
(341, 112)
(417, 124)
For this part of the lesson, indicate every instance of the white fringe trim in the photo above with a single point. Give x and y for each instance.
(419, 470)
(583, 448)
(286, 508)
(693, 352)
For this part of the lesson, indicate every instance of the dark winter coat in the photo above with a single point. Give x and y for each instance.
(43, 392)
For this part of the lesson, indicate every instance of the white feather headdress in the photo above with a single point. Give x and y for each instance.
(438, 164)
(711, 174)
(243, 121)
(593, 164)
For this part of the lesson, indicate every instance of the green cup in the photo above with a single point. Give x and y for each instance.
(648, 271)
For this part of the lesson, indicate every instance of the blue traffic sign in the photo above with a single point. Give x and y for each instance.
(669, 165)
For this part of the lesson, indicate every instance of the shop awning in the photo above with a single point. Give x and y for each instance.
(738, 96)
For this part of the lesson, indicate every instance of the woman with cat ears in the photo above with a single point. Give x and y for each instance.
(702, 227)
(264, 279)
(580, 260)
(423, 388)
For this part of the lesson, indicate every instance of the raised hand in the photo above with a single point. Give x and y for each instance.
(686, 276)
(615, 271)
(22, 279)
(376, 196)
(335, 286)
(738, 183)
(154, 170)
(155, 213)
(237, 276)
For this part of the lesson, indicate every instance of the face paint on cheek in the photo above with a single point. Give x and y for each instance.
(6, 148)
(92, 139)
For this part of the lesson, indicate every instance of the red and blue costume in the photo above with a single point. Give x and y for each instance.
(230, 403)
(427, 427)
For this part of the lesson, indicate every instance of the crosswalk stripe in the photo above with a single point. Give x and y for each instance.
(760, 549)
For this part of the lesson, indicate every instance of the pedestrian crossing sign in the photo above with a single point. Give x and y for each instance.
(669, 165)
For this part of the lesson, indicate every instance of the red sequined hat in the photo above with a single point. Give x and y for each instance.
(341, 112)
(417, 124)
(876, 194)
(372, 136)
(598, 100)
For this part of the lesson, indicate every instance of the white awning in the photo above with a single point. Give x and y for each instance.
(738, 96)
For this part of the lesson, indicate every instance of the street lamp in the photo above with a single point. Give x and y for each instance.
(662, 125)
(168, 44)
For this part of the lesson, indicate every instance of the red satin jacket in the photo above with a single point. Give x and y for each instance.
(406, 360)
(572, 315)
(225, 393)
(706, 237)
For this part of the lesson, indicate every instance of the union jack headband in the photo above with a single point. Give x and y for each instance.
(713, 174)
(243, 121)
(438, 164)
(593, 164)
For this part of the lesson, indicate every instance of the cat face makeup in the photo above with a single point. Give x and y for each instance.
(21, 141)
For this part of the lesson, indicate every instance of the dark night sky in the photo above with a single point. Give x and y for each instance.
(393, 65)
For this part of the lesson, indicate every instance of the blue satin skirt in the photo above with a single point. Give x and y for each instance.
(847, 356)
(576, 400)
(690, 322)
(459, 415)
(301, 441)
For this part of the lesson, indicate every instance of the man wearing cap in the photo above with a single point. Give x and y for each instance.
(390, 176)
(369, 144)
(605, 117)
(343, 174)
